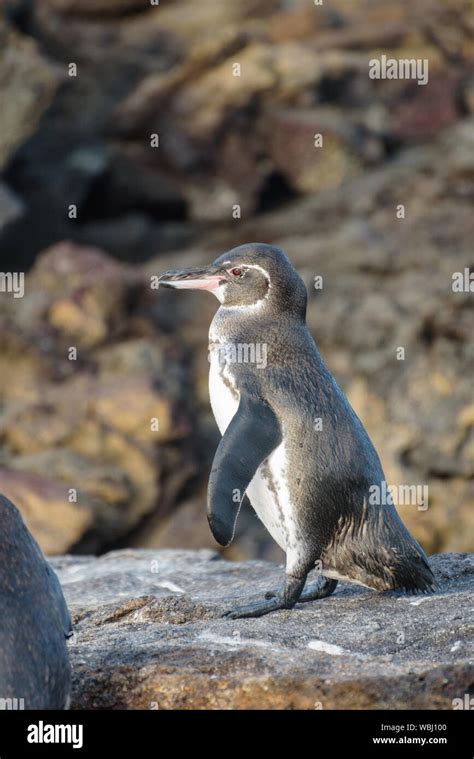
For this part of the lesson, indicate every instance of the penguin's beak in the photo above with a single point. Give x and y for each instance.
(208, 278)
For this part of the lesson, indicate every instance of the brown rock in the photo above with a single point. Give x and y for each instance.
(101, 423)
(428, 108)
(186, 527)
(56, 523)
(291, 146)
(84, 311)
(27, 85)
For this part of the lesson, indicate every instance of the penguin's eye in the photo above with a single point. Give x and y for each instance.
(237, 272)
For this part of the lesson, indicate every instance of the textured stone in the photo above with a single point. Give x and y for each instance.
(103, 422)
(148, 635)
(10, 206)
(28, 82)
(291, 137)
(168, 70)
(43, 501)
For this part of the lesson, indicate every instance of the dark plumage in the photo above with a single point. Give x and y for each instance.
(34, 620)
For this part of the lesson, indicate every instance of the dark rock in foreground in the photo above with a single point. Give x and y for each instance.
(149, 635)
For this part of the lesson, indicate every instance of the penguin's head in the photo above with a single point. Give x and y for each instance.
(250, 276)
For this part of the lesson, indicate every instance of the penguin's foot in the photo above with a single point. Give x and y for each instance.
(284, 599)
(318, 590)
(313, 592)
(255, 609)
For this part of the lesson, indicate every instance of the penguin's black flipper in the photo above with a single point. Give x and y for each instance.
(251, 436)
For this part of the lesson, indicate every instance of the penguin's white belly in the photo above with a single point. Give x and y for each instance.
(268, 494)
(222, 392)
(267, 491)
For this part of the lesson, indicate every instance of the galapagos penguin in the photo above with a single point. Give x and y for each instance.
(308, 481)
(34, 621)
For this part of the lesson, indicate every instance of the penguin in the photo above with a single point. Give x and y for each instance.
(35, 672)
(291, 441)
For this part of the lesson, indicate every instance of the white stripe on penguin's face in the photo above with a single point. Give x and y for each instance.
(221, 291)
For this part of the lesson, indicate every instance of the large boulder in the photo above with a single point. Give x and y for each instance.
(28, 82)
(228, 135)
(90, 417)
(149, 635)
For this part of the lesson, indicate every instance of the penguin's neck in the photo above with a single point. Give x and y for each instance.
(233, 322)
(251, 323)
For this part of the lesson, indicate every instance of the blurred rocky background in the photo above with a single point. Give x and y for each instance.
(130, 112)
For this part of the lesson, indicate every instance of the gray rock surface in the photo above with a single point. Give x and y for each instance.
(149, 635)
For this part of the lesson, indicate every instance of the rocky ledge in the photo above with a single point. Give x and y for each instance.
(149, 635)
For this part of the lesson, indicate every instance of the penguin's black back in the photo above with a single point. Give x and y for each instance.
(330, 471)
(34, 620)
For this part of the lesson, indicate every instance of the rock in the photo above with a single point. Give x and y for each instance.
(95, 7)
(148, 635)
(92, 419)
(133, 236)
(28, 82)
(468, 93)
(83, 312)
(135, 181)
(224, 139)
(307, 168)
(427, 110)
(56, 523)
(10, 206)
(187, 525)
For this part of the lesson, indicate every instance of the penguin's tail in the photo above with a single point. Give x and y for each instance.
(401, 566)
(379, 552)
(414, 574)
(408, 567)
